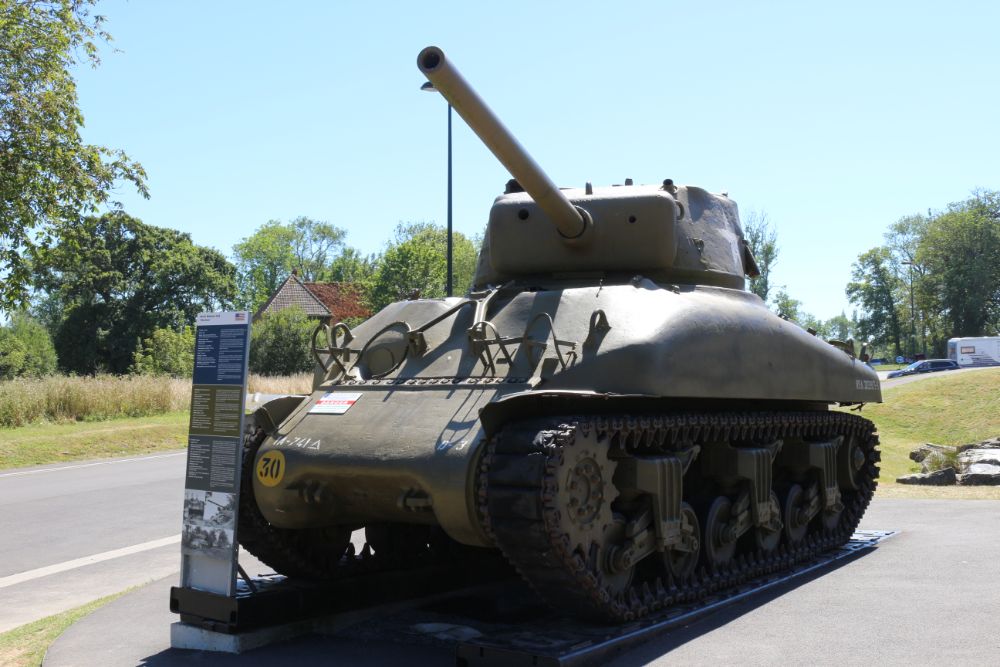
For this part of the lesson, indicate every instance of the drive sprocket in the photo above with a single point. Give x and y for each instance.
(584, 491)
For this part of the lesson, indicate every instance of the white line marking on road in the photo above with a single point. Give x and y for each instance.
(95, 463)
(40, 572)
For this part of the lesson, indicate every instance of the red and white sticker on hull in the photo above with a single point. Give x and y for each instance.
(335, 403)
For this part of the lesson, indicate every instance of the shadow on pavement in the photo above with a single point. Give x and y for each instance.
(390, 640)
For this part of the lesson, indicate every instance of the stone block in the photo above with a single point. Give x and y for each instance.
(943, 477)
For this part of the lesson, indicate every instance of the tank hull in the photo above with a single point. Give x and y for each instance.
(409, 446)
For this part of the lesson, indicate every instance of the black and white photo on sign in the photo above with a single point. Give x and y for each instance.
(216, 542)
(209, 508)
(209, 522)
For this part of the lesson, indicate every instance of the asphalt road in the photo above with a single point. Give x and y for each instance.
(74, 533)
(70, 534)
(928, 596)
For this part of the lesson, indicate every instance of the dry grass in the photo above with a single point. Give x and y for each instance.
(67, 399)
(60, 398)
(59, 419)
(280, 384)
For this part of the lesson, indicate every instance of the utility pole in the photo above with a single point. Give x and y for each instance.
(429, 87)
(913, 325)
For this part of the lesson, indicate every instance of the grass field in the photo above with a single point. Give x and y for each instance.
(74, 441)
(948, 410)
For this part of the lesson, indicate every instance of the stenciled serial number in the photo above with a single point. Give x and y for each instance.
(300, 443)
(866, 385)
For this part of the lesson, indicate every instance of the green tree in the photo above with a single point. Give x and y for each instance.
(263, 260)
(12, 355)
(40, 354)
(903, 241)
(267, 257)
(25, 348)
(414, 264)
(314, 246)
(48, 176)
(119, 280)
(960, 252)
(840, 327)
(874, 289)
(280, 343)
(48, 310)
(763, 241)
(786, 306)
(903, 237)
(354, 268)
(166, 352)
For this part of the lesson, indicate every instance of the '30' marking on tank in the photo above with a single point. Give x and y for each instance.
(271, 468)
(300, 443)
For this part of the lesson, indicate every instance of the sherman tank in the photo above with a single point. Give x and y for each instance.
(609, 407)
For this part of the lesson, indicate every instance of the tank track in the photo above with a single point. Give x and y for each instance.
(517, 500)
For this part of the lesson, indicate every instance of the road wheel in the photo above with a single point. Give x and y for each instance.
(716, 546)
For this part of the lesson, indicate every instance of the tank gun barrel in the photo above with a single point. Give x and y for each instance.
(450, 83)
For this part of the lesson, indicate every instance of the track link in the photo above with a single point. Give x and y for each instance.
(517, 500)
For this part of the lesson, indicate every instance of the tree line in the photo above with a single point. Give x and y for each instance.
(115, 295)
(88, 288)
(410, 264)
(937, 276)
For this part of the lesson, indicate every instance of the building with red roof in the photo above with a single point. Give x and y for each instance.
(330, 302)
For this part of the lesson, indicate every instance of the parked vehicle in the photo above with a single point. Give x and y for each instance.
(981, 351)
(608, 407)
(928, 366)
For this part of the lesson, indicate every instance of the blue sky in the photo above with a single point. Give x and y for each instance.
(835, 119)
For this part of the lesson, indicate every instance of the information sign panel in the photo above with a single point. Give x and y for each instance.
(212, 483)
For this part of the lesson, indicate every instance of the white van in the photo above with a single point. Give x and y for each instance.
(975, 351)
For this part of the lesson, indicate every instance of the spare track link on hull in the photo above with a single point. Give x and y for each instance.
(519, 500)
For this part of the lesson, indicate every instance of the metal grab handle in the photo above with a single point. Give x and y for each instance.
(332, 348)
(563, 363)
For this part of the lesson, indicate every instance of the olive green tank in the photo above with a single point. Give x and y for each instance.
(609, 407)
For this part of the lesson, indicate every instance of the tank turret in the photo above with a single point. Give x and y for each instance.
(664, 231)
